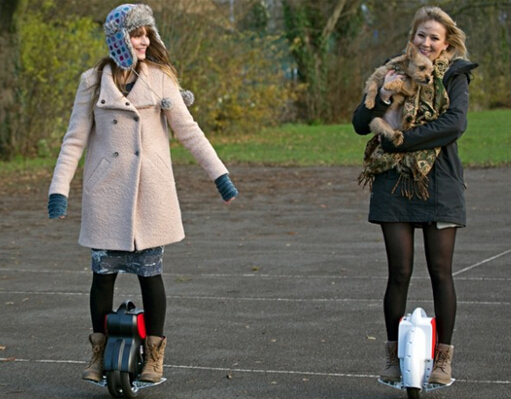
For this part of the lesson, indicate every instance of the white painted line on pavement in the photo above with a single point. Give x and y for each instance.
(481, 263)
(254, 299)
(275, 276)
(250, 371)
(312, 373)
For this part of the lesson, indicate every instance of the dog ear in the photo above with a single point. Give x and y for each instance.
(411, 50)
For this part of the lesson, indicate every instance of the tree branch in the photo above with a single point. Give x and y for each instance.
(332, 21)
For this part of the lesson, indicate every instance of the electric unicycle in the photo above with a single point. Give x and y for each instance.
(416, 352)
(124, 352)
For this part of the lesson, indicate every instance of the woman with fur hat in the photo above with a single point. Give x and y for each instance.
(419, 183)
(130, 209)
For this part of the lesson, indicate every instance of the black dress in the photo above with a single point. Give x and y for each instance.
(446, 187)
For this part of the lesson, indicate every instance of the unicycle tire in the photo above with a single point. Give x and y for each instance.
(128, 389)
(413, 393)
(113, 383)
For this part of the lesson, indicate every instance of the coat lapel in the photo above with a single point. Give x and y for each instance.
(141, 96)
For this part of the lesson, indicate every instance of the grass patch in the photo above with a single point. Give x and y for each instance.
(288, 145)
(486, 143)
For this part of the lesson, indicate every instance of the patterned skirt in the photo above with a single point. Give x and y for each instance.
(145, 263)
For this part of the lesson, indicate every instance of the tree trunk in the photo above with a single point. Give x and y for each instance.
(8, 51)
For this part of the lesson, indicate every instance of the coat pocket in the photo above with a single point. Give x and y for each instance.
(160, 166)
(96, 176)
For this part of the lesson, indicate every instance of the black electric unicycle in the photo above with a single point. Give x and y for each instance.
(124, 352)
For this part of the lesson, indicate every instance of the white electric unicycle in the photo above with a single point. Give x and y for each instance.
(416, 352)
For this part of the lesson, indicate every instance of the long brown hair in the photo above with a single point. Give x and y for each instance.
(454, 36)
(156, 55)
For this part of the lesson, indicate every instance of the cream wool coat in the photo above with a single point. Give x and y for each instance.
(129, 195)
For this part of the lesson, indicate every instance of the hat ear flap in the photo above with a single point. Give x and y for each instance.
(130, 55)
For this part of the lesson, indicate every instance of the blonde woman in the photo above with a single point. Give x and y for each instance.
(130, 209)
(419, 184)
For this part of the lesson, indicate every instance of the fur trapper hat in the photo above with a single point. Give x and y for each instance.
(119, 23)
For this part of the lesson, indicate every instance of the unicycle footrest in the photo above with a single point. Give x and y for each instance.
(145, 384)
(426, 387)
(100, 383)
(431, 387)
(397, 385)
(136, 384)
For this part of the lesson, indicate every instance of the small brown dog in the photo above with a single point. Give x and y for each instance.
(417, 70)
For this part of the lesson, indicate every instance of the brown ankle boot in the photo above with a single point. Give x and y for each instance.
(94, 371)
(153, 366)
(441, 373)
(392, 371)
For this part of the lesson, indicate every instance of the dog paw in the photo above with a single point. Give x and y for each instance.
(395, 85)
(369, 103)
(398, 138)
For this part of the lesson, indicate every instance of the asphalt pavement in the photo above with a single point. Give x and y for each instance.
(277, 296)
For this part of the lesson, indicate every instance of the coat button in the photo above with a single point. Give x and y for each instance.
(127, 104)
(136, 118)
(115, 121)
(137, 153)
(116, 154)
(103, 101)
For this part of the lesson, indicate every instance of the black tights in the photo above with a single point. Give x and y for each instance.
(439, 248)
(153, 297)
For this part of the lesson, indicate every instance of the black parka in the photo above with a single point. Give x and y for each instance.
(446, 202)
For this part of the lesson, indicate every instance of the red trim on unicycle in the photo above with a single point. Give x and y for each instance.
(141, 326)
(433, 337)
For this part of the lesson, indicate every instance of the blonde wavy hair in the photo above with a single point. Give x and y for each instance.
(454, 36)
